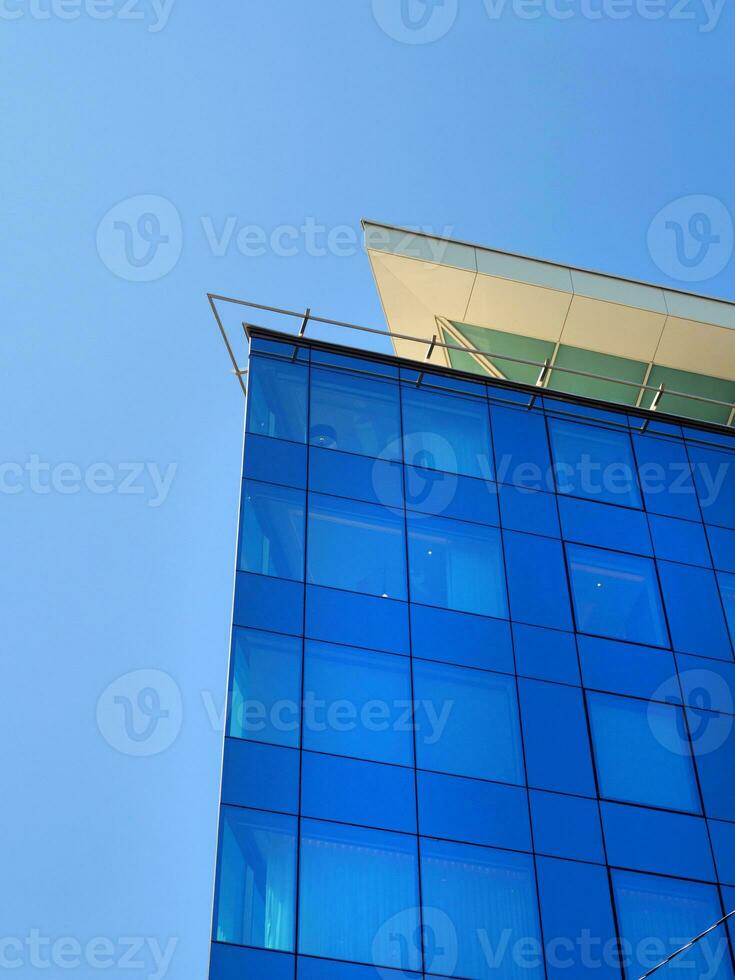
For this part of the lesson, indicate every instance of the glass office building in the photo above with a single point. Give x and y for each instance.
(482, 682)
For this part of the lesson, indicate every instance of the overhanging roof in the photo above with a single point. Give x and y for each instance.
(594, 331)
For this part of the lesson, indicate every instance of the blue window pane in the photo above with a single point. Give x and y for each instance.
(657, 841)
(529, 510)
(473, 811)
(356, 703)
(713, 744)
(675, 540)
(575, 902)
(272, 530)
(359, 895)
(369, 365)
(727, 590)
(277, 393)
(450, 495)
(456, 565)
(695, 614)
(446, 432)
(236, 962)
(566, 826)
(268, 603)
(354, 413)
(521, 448)
(356, 546)
(357, 620)
(670, 911)
(623, 668)
(256, 879)
(594, 462)
(723, 844)
(616, 595)
(555, 738)
(642, 752)
(275, 461)
(265, 777)
(265, 687)
(714, 476)
(665, 476)
(461, 638)
(377, 481)
(537, 580)
(311, 969)
(547, 654)
(722, 543)
(467, 722)
(619, 528)
(707, 684)
(365, 793)
(480, 898)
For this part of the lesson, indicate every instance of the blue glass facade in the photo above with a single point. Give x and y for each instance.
(481, 715)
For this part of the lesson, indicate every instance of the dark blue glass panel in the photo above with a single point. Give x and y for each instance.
(694, 609)
(713, 744)
(357, 620)
(377, 481)
(276, 348)
(623, 668)
(473, 811)
(355, 792)
(722, 543)
(528, 510)
(275, 461)
(708, 684)
(566, 826)
(555, 737)
(669, 910)
(616, 595)
(236, 962)
(657, 841)
(475, 896)
(256, 881)
(450, 495)
(277, 395)
(619, 528)
(311, 969)
(537, 580)
(642, 752)
(714, 476)
(265, 687)
(675, 540)
(269, 603)
(358, 895)
(575, 903)
(446, 432)
(521, 448)
(456, 565)
(467, 722)
(723, 844)
(727, 591)
(549, 655)
(366, 365)
(461, 638)
(594, 462)
(665, 476)
(357, 703)
(272, 530)
(354, 413)
(356, 546)
(265, 777)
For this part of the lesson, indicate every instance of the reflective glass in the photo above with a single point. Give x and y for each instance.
(446, 432)
(461, 638)
(566, 826)
(723, 844)
(665, 476)
(548, 654)
(727, 590)
(521, 448)
(359, 895)
(537, 580)
(268, 603)
(722, 543)
(236, 962)
(529, 510)
(616, 595)
(624, 668)
(451, 495)
(275, 461)
(714, 476)
(357, 620)
(277, 396)
(265, 777)
(694, 610)
(377, 481)
(356, 546)
(456, 565)
(642, 752)
(265, 687)
(713, 744)
(272, 530)
(675, 540)
(594, 462)
(354, 413)
(256, 879)
(590, 522)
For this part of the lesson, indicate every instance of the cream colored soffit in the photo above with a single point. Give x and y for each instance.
(421, 278)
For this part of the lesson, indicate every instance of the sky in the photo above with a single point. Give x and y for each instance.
(157, 150)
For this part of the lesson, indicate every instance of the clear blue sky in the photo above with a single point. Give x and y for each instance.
(556, 138)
